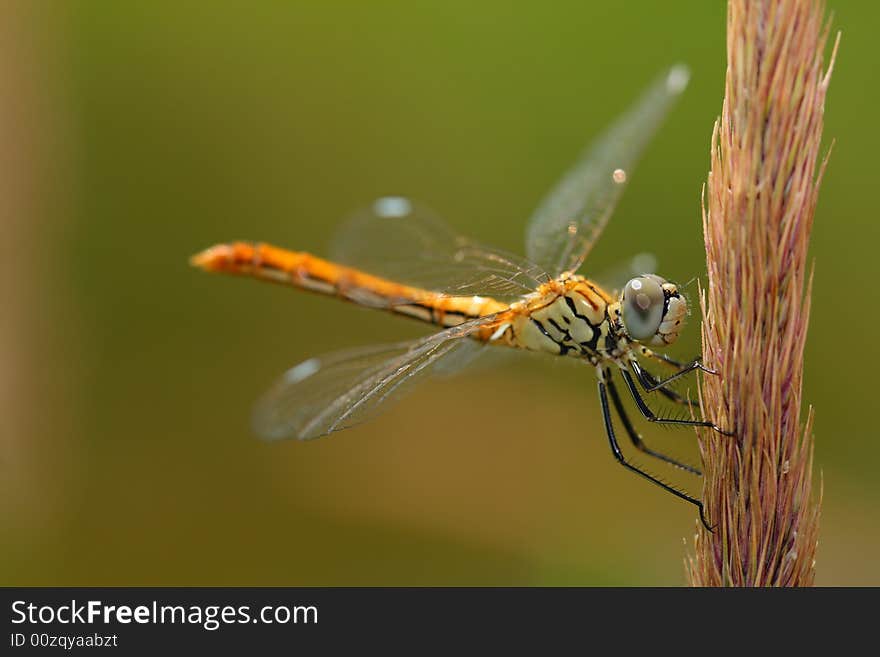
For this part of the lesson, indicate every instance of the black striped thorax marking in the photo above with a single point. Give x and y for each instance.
(563, 345)
(575, 321)
(590, 346)
(564, 326)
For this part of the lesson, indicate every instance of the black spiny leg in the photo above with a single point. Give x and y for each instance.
(676, 364)
(636, 438)
(651, 417)
(663, 358)
(685, 369)
(650, 384)
(615, 449)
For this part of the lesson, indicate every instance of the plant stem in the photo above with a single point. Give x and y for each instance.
(758, 209)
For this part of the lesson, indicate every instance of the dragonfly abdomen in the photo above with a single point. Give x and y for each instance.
(305, 271)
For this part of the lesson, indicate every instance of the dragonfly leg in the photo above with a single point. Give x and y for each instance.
(683, 368)
(650, 384)
(618, 454)
(652, 417)
(636, 438)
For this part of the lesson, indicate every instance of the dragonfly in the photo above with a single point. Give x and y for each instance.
(399, 257)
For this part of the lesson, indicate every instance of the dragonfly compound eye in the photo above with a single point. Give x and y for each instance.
(642, 307)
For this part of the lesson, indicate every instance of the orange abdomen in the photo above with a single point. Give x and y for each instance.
(307, 272)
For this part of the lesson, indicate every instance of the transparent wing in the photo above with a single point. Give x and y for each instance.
(614, 278)
(569, 220)
(336, 391)
(404, 242)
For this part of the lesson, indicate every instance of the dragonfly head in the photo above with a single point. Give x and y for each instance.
(652, 310)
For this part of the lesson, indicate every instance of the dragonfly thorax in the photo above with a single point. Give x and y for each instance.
(569, 316)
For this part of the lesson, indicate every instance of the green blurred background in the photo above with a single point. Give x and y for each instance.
(135, 134)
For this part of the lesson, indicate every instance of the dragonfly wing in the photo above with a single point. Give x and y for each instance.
(333, 392)
(402, 241)
(570, 219)
(615, 278)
